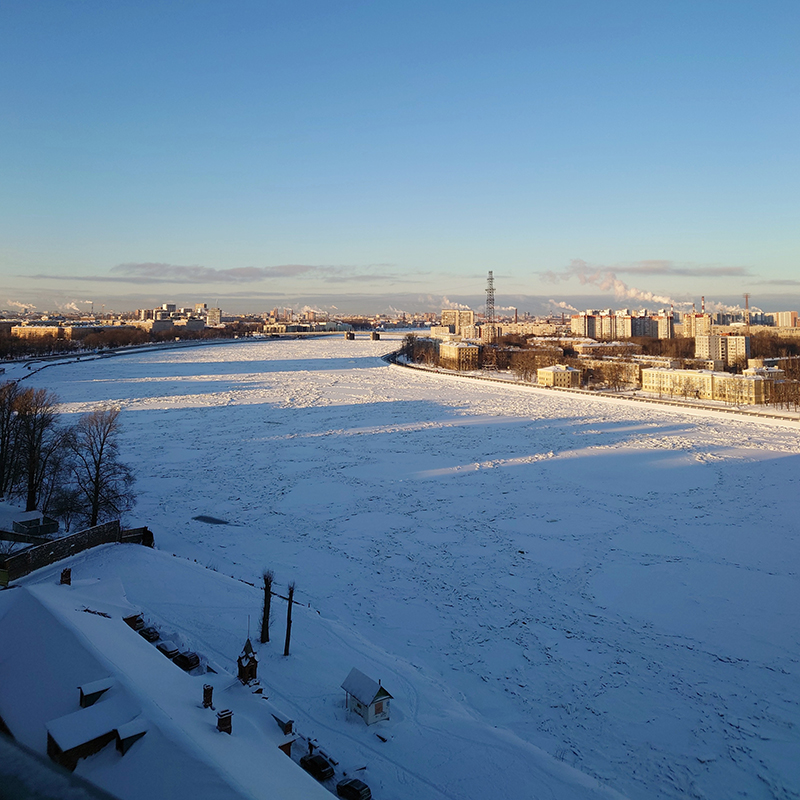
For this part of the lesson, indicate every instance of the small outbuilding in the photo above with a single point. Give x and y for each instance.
(366, 697)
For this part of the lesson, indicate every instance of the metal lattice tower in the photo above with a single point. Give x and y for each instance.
(490, 299)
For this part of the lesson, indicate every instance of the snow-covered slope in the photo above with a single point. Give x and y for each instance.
(612, 584)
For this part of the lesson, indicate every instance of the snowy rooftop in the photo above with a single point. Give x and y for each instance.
(558, 368)
(9, 514)
(362, 687)
(59, 647)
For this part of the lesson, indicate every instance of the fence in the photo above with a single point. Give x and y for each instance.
(26, 561)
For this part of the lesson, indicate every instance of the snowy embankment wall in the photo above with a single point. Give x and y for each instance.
(19, 564)
(760, 411)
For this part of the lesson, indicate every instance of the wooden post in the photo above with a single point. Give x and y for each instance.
(289, 619)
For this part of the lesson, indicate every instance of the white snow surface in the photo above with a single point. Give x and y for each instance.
(182, 755)
(567, 597)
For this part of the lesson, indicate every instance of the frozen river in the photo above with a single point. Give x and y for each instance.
(565, 581)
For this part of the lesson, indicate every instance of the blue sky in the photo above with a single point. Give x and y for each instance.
(384, 154)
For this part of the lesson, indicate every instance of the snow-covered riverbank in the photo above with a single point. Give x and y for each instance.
(616, 585)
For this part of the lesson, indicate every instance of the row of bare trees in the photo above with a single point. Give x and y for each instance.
(266, 614)
(12, 347)
(71, 472)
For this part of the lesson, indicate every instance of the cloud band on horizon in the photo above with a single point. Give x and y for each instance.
(156, 272)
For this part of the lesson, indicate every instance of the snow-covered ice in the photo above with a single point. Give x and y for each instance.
(548, 585)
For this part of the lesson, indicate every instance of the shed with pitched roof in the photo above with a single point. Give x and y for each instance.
(366, 697)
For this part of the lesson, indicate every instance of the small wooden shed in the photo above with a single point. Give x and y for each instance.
(366, 697)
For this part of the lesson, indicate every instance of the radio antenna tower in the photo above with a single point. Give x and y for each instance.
(490, 330)
(490, 299)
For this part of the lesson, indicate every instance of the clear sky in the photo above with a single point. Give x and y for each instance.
(389, 153)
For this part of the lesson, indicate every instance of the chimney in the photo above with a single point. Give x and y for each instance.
(224, 723)
(703, 304)
(66, 577)
(208, 691)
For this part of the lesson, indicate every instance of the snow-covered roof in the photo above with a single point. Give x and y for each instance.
(56, 648)
(363, 688)
(97, 686)
(9, 514)
(87, 724)
(558, 368)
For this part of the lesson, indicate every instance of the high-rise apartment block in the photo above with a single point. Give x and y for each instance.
(695, 325)
(609, 325)
(666, 326)
(456, 319)
(728, 349)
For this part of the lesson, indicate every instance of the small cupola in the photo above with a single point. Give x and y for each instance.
(248, 663)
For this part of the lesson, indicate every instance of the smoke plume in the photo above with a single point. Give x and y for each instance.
(562, 304)
(605, 280)
(447, 303)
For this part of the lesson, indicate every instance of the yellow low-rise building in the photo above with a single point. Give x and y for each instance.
(68, 332)
(459, 355)
(559, 375)
(749, 389)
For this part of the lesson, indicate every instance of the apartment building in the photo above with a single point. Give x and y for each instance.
(462, 356)
(559, 375)
(750, 389)
(728, 348)
(608, 325)
(695, 325)
(786, 319)
(68, 332)
(457, 319)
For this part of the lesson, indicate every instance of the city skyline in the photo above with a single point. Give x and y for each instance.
(369, 158)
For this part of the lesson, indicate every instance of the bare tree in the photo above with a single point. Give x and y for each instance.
(103, 482)
(268, 576)
(39, 438)
(289, 618)
(9, 392)
(524, 364)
